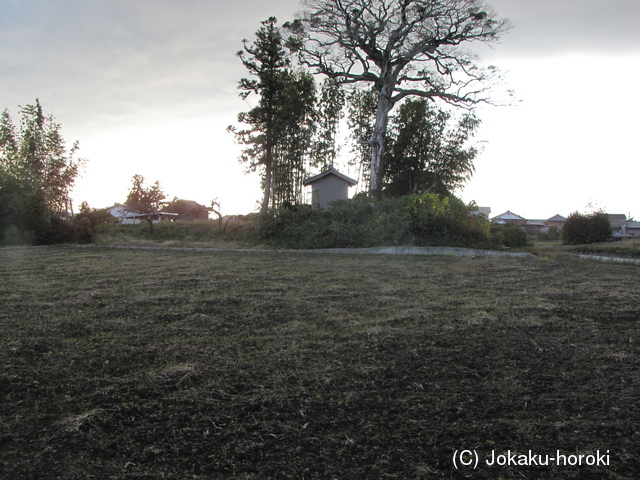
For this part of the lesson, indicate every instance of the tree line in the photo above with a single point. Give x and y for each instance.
(373, 56)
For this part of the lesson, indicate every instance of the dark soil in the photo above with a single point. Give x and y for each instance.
(118, 364)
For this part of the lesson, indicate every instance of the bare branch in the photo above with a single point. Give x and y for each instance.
(384, 41)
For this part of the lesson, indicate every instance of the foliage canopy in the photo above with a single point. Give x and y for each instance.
(37, 173)
(146, 201)
(586, 228)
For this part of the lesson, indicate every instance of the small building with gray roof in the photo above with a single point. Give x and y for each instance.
(329, 186)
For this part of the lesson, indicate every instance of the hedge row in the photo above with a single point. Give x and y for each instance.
(426, 219)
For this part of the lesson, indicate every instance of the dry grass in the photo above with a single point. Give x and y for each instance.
(123, 363)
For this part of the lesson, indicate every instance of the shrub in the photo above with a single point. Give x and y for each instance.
(24, 216)
(441, 220)
(593, 228)
(552, 235)
(426, 219)
(511, 236)
(84, 230)
(14, 236)
(515, 237)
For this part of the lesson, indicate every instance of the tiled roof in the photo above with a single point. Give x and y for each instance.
(508, 215)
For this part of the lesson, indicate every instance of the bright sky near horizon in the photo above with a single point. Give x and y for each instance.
(149, 87)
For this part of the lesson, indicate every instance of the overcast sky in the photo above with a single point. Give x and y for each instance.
(149, 87)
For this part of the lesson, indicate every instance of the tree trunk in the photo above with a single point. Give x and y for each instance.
(149, 219)
(385, 104)
(267, 179)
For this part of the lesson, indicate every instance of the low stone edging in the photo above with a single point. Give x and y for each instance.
(602, 258)
(435, 251)
(453, 251)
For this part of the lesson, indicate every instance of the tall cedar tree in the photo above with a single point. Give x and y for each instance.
(402, 48)
(267, 61)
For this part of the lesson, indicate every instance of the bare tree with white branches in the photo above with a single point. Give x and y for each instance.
(402, 47)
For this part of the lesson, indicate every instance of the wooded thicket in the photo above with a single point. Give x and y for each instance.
(373, 56)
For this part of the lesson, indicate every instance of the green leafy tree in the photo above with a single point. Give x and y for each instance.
(400, 47)
(586, 228)
(37, 173)
(8, 145)
(145, 201)
(43, 160)
(426, 152)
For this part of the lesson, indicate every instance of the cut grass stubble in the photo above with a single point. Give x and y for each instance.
(138, 363)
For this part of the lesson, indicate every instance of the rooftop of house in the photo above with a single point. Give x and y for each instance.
(508, 215)
(330, 171)
(556, 218)
(483, 211)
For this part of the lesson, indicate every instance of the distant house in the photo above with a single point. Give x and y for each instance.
(509, 218)
(631, 229)
(486, 211)
(556, 221)
(128, 216)
(329, 186)
(536, 227)
(187, 210)
(617, 220)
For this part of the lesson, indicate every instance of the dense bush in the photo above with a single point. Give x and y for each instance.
(441, 220)
(592, 228)
(426, 219)
(515, 236)
(25, 218)
(552, 235)
(88, 222)
(511, 236)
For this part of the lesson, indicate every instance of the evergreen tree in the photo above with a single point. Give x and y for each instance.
(267, 61)
(426, 152)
